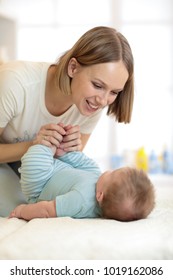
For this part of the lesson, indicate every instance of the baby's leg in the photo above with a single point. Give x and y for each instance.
(42, 209)
(36, 169)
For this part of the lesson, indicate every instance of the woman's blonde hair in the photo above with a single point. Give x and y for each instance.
(130, 198)
(101, 45)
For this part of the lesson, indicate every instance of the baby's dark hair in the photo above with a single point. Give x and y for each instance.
(131, 198)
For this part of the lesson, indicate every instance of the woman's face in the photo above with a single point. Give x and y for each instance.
(94, 87)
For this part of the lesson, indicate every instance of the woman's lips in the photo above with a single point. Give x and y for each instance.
(92, 106)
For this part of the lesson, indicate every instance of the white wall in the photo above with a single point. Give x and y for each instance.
(7, 38)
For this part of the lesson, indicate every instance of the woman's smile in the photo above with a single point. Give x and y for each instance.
(91, 106)
(97, 86)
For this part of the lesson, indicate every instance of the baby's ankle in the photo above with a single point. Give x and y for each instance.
(53, 149)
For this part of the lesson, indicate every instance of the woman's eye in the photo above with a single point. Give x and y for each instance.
(97, 85)
(114, 93)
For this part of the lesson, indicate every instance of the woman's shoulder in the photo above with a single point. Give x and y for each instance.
(15, 76)
(21, 68)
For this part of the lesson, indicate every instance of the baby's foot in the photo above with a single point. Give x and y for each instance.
(53, 148)
(60, 152)
(16, 213)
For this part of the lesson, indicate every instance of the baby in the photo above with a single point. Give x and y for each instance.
(72, 185)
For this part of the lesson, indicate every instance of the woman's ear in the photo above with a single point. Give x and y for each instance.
(72, 67)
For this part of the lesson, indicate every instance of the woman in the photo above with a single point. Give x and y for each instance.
(60, 104)
(96, 72)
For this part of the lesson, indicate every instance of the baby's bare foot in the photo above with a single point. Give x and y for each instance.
(16, 213)
(53, 148)
(60, 152)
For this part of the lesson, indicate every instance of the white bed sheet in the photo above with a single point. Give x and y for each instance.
(87, 239)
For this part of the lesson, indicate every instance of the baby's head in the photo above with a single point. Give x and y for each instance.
(125, 194)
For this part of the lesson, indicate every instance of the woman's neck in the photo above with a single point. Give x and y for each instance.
(56, 102)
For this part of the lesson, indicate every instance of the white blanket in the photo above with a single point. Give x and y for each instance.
(87, 239)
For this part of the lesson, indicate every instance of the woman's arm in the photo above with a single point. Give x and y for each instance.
(84, 139)
(42, 209)
(13, 152)
(48, 135)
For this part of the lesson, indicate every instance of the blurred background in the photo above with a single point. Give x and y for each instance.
(41, 30)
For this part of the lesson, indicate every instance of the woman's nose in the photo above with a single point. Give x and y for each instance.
(102, 99)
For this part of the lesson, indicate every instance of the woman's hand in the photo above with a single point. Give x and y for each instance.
(50, 134)
(65, 138)
(71, 140)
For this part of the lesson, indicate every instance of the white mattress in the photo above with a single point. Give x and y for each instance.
(87, 239)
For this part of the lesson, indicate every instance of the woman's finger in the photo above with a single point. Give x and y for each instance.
(72, 129)
(50, 134)
(52, 127)
(71, 144)
(71, 137)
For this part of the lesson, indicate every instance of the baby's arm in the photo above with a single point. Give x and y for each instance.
(42, 209)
